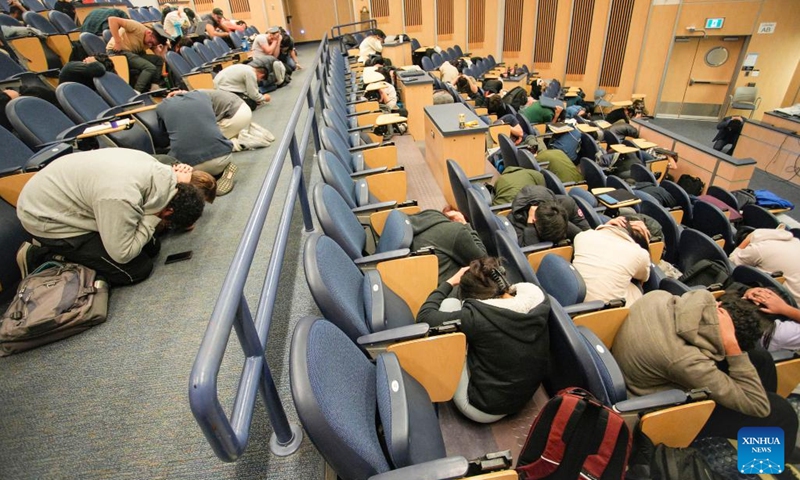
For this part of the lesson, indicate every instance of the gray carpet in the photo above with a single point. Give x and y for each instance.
(112, 402)
(704, 132)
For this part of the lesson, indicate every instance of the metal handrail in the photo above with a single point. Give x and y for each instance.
(228, 437)
(336, 30)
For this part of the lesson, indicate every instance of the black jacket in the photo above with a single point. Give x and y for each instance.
(508, 351)
(534, 195)
(455, 244)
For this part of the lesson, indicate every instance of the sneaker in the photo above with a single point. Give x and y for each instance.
(28, 258)
(225, 181)
(236, 146)
(262, 131)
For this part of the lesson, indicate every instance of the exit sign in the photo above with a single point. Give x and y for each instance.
(712, 23)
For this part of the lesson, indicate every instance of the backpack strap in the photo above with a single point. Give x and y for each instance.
(611, 425)
(563, 426)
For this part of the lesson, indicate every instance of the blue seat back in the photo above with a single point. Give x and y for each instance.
(11, 237)
(682, 198)
(484, 221)
(334, 391)
(36, 121)
(336, 284)
(642, 174)
(9, 21)
(205, 53)
(553, 183)
(92, 43)
(427, 64)
(525, 159)
(15, 153)
(397, 233)
(136, 15)
(578, 362)
(518, 269)
(9, 68)
(107, 35)
(723, 195)
(191, 56)
(178, 64)
(592, 173)
(338, 221)
(694, 246)
(332, 142)
(670, 229)
(458, 50)
(220, 46)
(38, 22)
(508, 150)
(115, 90)
(589, 213)
(34, 5)
(437, 59)
(757, 216)
(62, 22)
(710, 220)
(415, 44)
(560, 279)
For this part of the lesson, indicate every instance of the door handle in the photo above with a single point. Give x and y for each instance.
(692, 81)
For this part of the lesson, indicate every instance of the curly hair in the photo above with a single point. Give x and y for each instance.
(748, 320)
(484, 279)
(187, 206)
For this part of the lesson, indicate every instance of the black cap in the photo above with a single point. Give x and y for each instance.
(218, 11)
(161, 35)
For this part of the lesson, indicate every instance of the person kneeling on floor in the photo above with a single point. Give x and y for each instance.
(101, 208)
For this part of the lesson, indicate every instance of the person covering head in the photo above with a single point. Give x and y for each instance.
(218, 12)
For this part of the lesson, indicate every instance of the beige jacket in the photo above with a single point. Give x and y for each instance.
(674, 342)
(771, 251)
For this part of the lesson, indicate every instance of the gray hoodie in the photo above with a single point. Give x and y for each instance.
(116, 192)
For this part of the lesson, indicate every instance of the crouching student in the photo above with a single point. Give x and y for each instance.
(507, 338)
(695, 341)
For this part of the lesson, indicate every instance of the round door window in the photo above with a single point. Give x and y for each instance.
(717, 56)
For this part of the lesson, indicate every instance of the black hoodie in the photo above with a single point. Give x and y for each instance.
(534, 195)
(455, 244)
(508, 351)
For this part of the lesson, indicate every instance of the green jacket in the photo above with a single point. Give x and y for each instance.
(536, 113)
(511, 182)
(560, 165)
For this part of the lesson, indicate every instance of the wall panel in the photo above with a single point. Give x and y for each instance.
(487, 44)
(420, 20)
(594, 56)
(616, 43)
(392, 22)
(578, 50)
(633, 50)
(512, 34)
(657, 41)
(552, 38)
(527, 20)
(311, 21)
(459, 32)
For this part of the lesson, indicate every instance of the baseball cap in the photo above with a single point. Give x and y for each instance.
(274, 30)
(218, 11)
(161, 35)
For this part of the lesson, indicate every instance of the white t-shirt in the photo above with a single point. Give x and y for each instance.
(369, 46)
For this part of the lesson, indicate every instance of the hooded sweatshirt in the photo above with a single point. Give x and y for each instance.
(512, 181)
(114, 192)
(772, 250)
(508, 344)
(455, 244)
(675, 342)
(534, 195)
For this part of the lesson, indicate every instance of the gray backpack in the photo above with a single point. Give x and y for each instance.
(56, 301)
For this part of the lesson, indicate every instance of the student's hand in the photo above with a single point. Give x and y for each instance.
(89, 59)
(728, 332)
(456, 279)
(641, 228)
(769, 301)
(618, 222)
(183, 172)
(532, 214)
(176, 92)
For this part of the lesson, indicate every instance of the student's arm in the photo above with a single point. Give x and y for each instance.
(124, 228)
(429, 311)
(251, 88)
(642, 265)
(468, 246)
(746, 253)
(212, 32)
(114, 24)
(772, 303)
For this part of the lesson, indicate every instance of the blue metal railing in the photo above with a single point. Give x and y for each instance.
(228, 437)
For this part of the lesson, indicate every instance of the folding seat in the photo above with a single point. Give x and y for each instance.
(437, 60)
(508, 150)
(41, 55)
(682, 198)
(459, 51)
(206, 54)
(589, 148)
(372, 192)
(555, 185)
(460, 184)
(11, 71)
(193, 80)
(154, 13)
(50, 4)
(427, 64)
(759, 217)
(18, 157)
(694, 246)
(118, 93)
(339, 394)
(723, 195)
(83, 105)
(221, 46)
(581, 359)
(485, 222)
(669, 227)
(65, 25)
(452, 55)
(593, 173)
(359, 161)
(712, 221)
(642, 174)
(107, 35)
(95, 45)
(136, 15)
(415, 44)
(34, 6)
(589, 206)
(525, 159)
(355, 137)
(379, 299)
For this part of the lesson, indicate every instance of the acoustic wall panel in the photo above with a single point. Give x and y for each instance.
(582, 14)
(444, 17)
(545, 31)
(204, 6)
(413, 13)
(477, 21)
(512, 36)
(240, 7)
(616, 42)
(380, 8)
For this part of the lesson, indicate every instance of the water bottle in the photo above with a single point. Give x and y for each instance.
(245, 45)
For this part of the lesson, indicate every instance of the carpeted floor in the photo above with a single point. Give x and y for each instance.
(112, 402)
(704, 132)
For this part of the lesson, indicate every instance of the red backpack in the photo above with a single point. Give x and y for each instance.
(575, 437)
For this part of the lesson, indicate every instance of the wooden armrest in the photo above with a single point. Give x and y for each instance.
(500, 475)
(411, 278)
(496, 130)
(134, 111)
(656, 251)
(535, 258)
(388, 186)
(378, 219)
(481, 111)
(603, 323)
(582, 186)
(11, 186)
(367, 107)
(677, 215)
(659, 426)
(435, 362)
(788, 376)
(368, 118)
(380, 156)
(107, 131)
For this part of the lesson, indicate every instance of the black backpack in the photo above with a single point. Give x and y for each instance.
(660, 462)
(692, 185)
(575, 436)
(517, 98)
(706, 273)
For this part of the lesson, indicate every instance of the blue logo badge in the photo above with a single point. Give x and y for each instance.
(761, 450)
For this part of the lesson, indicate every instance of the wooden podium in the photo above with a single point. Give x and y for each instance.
(416, 93)
(444, 140)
